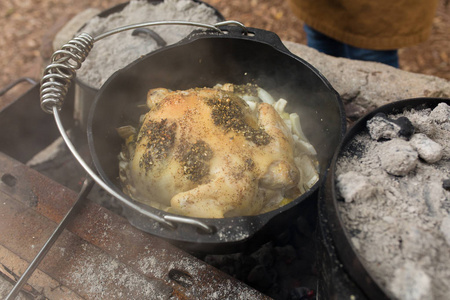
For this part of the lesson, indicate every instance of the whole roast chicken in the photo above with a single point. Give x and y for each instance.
(204, 152)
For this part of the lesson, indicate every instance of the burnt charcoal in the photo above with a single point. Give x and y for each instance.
(446, 184)
(277, 267)
(304, 228)
(286, 254)
(246, 264)
(262, 277)
(283, 239)
(228, 269)
(407, 128)
(265, 255)
(381, 127)
(301, 293)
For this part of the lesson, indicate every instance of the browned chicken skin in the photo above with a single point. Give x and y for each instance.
(204, 153)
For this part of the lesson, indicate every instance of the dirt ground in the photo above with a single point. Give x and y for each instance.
(28, 27)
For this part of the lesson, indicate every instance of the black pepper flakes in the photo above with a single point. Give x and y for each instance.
(160, 139)
(227, 112)
(246, 89)
(250, 164)
(195, 160)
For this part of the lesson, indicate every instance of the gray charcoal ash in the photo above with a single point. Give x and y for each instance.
(121, 49)
(428, 150)
(441, 113)
(411, 283)
(354, 186)
(382, 127)
(445, 229)
(422, 122)
(432, 194)
(397, 157)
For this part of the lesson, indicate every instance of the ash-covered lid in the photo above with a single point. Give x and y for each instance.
(119, 50)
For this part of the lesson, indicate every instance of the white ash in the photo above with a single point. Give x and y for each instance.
(428, 150)
(401, 229)
(397, 157)
(354, 186)
(441, 113)
(445, 229)
(411, 283)
(429, 122)
(117, 51)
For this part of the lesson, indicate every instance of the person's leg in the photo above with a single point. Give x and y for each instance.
(323, 43)
(388, 57)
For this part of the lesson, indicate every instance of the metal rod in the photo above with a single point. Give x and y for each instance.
(157, 23)
(85, 189)
(200, 225)
(13, 84)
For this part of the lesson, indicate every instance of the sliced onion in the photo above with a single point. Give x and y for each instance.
(265, 96)
(296, 127)
(126, 131)
(305, 147)
(309, 171)
(252, 105)
(250, 98)
(280, 105)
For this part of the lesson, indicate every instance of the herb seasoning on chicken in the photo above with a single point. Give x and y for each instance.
(216, 152)
(195, 161)
(160, 138)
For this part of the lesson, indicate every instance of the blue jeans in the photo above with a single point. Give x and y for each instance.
(330, 46)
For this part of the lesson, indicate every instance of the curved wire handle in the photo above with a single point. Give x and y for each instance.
(55, 85)
(58, 76)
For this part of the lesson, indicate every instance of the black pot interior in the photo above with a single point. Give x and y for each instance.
(203, 61)
(341, 238)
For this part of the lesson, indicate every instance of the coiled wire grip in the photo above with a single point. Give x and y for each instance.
(55, 85)
(58, 75)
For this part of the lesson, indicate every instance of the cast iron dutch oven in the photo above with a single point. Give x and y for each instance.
(204, 59)
(331, 220)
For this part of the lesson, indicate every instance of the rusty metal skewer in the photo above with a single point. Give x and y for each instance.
(85, 189)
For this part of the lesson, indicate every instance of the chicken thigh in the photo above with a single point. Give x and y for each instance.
(204, 153)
